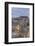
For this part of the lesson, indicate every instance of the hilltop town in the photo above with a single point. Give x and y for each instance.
(20, 27)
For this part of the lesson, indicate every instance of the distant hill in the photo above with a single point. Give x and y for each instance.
(20, 18)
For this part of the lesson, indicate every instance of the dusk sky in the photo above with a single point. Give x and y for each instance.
(16, 12)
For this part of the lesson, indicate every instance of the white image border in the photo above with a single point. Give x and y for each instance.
(10, 23)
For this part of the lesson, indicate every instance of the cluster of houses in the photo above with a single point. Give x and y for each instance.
(20, 27)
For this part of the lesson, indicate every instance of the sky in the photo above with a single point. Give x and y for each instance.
(16, 12)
